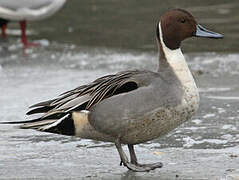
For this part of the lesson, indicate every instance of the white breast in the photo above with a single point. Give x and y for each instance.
(179, 65)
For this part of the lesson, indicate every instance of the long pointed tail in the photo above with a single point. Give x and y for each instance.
(64, 125)
(19, 122)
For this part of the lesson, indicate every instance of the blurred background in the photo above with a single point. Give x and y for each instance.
(90, 38)
(131, 24)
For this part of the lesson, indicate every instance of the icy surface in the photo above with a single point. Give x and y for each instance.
(206, 147)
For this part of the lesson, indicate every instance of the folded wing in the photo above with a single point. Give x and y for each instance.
(56, 113)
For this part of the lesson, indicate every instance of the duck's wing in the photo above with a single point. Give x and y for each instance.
(85, 96)
(29, 9)
(60, 109)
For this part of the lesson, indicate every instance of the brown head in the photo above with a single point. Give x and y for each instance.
(177, 25)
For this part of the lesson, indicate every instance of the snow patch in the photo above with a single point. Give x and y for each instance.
(229, 126)
(189, 142)
(197, 121)
(209, 115)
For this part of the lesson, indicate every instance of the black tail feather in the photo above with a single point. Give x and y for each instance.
(20, 122)
(64, 125)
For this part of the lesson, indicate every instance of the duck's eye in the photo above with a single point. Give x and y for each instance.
(182, 20)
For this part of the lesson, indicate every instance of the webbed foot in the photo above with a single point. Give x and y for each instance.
(134, 165)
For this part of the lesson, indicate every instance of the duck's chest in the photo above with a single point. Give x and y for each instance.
(176, 115)
(164, 119)
(190, 98)
(167, 117)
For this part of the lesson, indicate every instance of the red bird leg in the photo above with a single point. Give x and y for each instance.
(26, 44)
(4, 28)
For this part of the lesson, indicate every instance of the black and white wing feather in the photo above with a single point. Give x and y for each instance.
(58, 111)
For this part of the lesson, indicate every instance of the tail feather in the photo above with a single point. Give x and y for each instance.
(38, 124)
(54, 125)
(44, 103)
(43, 109)
(64, 125)
(21, 122)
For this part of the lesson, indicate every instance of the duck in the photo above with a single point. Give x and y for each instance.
(131, 106)
(26, 10)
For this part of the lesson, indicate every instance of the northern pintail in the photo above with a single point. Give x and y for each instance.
(131, 107)
(26, 10)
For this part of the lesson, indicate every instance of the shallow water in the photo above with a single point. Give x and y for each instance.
(204, 148)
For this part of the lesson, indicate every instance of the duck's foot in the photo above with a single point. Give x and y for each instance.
(152, 165)
(143, 167)
(134, 160)
(137, 168)
(133, 165)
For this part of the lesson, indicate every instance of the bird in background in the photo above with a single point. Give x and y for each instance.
(26, 10)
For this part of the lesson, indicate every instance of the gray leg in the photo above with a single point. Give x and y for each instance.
(125, 162)
(133, 160)
(123, 157)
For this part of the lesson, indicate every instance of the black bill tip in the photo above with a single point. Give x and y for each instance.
(203, 32)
